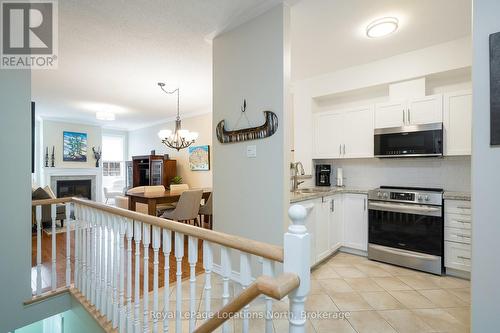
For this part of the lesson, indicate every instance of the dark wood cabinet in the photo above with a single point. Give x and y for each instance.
(150, 170)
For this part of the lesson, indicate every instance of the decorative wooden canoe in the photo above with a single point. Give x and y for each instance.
(246, 134)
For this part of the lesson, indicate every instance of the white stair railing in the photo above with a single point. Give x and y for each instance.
(107, 271)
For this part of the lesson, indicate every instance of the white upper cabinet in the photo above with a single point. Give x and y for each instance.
(425, 110)
(358, 133)
(457, 123)
(390, 114)
(415, 111)
(355, 211)
(327, 135)
(344, 134)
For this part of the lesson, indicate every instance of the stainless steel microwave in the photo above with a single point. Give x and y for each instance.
(409, 141)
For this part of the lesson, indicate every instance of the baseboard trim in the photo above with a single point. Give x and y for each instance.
(235, 276)
(458, 273)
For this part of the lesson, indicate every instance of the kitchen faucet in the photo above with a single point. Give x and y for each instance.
(298, 173)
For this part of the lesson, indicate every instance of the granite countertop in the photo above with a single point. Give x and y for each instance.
(323, 192)
(451, 195)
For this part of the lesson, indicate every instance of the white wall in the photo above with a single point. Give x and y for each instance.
(15, 206)
(250, 62)
(53, 136)
(449, 173)
(485, 179)
(445, 57)
(143, 140)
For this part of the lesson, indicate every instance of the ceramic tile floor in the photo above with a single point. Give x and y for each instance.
(374, 297)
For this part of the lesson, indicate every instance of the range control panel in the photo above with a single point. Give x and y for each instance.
(409, 196)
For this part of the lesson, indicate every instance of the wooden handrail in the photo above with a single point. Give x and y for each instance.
(44, 202)
(276, 288)
(264, 250)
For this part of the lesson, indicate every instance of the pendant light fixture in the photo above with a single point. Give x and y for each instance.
(180, 138)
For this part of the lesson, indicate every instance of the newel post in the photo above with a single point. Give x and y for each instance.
(297, 249)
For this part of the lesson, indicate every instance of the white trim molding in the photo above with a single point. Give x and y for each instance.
(95, 174)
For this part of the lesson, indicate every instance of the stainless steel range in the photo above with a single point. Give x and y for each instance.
(406, 227)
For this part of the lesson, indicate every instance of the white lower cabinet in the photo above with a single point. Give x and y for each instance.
(326, 224)
(356, 221)
(457, 235)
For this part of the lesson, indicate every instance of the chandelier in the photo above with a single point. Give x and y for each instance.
(180, 138)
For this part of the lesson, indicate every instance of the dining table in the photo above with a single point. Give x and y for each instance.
(156, 198)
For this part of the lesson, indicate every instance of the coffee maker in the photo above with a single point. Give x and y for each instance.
(323, 172)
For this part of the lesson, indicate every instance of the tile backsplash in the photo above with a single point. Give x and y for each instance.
(449, 173)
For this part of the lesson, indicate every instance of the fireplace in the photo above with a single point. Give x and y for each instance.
(74, 188)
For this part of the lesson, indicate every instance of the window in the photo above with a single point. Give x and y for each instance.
(112, 155)
(111, 169)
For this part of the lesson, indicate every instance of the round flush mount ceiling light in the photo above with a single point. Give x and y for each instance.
(105, 115)
(382, 27)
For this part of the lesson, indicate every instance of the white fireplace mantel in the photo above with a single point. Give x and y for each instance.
(48, 173)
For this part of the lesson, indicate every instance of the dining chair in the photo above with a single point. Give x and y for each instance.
(187, 208)
(178, 188)
(205, 212)
(175, 189)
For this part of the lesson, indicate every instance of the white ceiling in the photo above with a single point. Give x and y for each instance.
(328, 35)
(112, 54)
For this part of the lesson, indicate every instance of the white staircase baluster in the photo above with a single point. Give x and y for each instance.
(83, 252)
(76, 272)
(208, 261)
(54, 253)
(116, 268)
(109, 266)
(268, 269)
(137, 279)
(121, 305)
(68, 245)
(246, 279)
(130, 234)
(104, 290)
(296, 260)
(146, 238)
(88, 255)
(156, 248)
(192, 259)
(226, 275)
(179, 254)
(98, 259)
(38, 216)
(167, 248)
(92, 256)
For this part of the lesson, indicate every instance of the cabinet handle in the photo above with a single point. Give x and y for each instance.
(364, 204)
(331, 206)
(464, 236)
(344, 148)
(462, 221)
(409, 116)
(462, 257)
(340, 149)
(460, 207)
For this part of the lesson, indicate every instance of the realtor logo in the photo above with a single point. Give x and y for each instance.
(29, 34)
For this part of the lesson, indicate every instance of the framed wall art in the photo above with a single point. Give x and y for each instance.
(74, 147)
(199, 158)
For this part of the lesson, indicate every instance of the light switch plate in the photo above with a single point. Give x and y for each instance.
(252, 151)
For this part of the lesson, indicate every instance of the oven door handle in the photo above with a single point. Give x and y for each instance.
(402, 208)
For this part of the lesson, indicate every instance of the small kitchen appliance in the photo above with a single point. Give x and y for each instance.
(323, 172)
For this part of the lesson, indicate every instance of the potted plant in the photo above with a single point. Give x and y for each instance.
(176, 180)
